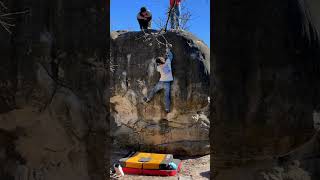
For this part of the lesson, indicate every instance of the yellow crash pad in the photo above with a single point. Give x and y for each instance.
(143, 160)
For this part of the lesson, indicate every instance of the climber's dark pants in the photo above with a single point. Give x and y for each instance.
(144, 24)
(162, 85)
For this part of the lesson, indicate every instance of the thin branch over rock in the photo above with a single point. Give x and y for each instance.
(5, 17)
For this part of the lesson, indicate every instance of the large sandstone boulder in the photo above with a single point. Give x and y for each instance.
(185, 130)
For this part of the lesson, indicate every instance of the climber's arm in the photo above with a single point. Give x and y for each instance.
(169, 55)
(140, 17)
(149, 15)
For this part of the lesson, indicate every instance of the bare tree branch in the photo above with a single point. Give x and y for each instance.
(5, 27)
(2, 5)
(184, 18)
(14, 13)
(7, 24)
(6, 16)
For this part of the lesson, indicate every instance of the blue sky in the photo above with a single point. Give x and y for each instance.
(123, 15)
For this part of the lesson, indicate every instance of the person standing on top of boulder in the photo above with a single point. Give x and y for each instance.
(144, 18)
(164, 68)
(175, 14)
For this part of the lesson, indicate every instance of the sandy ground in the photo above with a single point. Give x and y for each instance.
(193, 168)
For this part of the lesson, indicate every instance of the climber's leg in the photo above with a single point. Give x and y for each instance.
(172, 17)
(167, 96)
(149, 23)
(177, 16)
(143, 24)
(154, 90)
(140, 23)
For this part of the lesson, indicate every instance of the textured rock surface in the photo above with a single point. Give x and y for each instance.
(291, 171)
(52, 92)
(184, 131)
(266, 77)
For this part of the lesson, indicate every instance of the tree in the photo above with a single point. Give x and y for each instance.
(185, 18)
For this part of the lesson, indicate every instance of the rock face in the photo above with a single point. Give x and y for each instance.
(266, 83)
(290, 171)
(53, 92)
(185, 130)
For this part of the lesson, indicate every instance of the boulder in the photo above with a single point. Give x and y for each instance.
(183, 131)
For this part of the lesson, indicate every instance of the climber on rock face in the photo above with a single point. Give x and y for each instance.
(144, 18)
(164, 68)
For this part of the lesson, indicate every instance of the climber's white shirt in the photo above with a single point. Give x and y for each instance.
(165, 69)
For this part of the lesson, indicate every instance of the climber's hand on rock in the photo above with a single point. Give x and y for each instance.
(168, 46)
